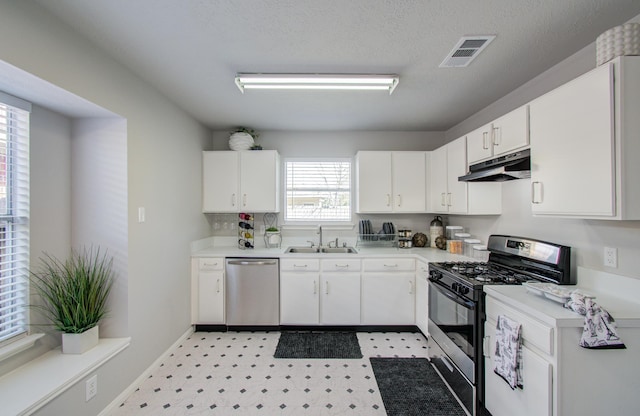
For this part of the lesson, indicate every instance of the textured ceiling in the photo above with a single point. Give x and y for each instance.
(191, 50)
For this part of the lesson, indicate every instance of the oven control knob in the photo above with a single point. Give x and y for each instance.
(435, 275)
(455, 286)
(464, 290)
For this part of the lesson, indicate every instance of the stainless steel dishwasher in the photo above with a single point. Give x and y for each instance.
(252, 292)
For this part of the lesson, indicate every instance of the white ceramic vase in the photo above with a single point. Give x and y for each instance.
(240, 141)
(79, 343)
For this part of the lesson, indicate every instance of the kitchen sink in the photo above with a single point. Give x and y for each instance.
(314, 250)
(303, 250)
(347, 250)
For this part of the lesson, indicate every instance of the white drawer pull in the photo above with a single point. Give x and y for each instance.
(315, 287)
(390, 265)
(341, 266)
(300, 266)
(218, 286)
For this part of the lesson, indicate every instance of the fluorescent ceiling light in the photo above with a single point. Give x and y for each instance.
(317, 82)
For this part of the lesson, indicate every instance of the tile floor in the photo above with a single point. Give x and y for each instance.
(234, 373)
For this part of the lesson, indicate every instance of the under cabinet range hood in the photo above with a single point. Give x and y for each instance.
(508, 167)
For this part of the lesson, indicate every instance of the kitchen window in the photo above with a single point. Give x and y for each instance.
(14, 218)
(318, 190)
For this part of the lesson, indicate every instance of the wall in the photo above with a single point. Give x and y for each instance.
(163, 153)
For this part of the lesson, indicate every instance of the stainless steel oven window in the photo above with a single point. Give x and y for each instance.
(455, 316)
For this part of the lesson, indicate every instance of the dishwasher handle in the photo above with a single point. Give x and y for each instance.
(249, 262)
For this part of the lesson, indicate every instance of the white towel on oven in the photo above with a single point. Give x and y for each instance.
(508, 353)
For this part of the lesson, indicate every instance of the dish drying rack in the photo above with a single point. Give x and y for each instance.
(377, 240)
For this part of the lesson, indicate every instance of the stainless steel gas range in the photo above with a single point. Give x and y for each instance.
(457, 307)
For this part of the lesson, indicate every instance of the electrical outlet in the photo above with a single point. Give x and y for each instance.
(611, 257)
(91, 387)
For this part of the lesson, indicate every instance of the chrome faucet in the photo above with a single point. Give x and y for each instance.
(320, 232)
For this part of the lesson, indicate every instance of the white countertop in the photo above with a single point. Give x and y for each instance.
(625, 312)
(426, 254)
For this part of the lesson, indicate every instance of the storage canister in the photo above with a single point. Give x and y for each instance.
(457, 244)
(480, 253)
(468, 246)
(450, 231)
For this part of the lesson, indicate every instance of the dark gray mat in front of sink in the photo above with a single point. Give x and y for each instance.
(411, 387)
(318, 345)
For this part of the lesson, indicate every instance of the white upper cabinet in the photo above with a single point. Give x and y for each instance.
(241, 181)
(584, 145)
(390, 182)
(504, 135)
(448, 195)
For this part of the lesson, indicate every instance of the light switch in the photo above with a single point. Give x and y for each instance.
(141, 214)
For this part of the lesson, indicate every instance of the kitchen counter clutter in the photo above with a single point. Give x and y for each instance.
(560, 377)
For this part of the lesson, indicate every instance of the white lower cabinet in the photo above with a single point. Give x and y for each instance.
(299, 291)
(207, 291)
(311, 297)
(388, 291)
(535, 399)
(560, 378)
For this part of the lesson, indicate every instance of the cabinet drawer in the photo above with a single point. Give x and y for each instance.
(300, 265)
(340, 265)
(389, 265)
(534, 333)
(210, 263)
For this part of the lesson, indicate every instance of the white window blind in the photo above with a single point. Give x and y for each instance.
(14, 217)
(318, 190)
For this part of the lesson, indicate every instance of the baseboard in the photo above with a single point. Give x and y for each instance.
(145, 375)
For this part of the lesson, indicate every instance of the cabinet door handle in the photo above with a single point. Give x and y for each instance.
(449, 199)
(486, 346)
(399, 200)
(326, 288)
(315, 287)
(244, 200)
(233, 200)
(410, 287)
(485, 142)
(388, 199)
(442, 202)
(497, 136)
(218, 286)
(534, 199)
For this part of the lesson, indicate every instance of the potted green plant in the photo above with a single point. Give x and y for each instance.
(74, 294)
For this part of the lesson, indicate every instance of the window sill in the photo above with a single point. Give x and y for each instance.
(19, 346)
(31, 386)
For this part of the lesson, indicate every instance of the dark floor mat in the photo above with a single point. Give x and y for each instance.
(318, 345)
(411, 387)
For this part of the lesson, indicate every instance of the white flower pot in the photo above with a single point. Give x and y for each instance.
(240, 141)
(79, 343)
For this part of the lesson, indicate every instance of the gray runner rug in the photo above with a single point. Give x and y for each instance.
(318, 345)
(411, 387)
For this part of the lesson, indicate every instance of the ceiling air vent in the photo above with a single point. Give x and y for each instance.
(466, 50)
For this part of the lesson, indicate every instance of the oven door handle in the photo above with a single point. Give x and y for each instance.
(463, 302)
